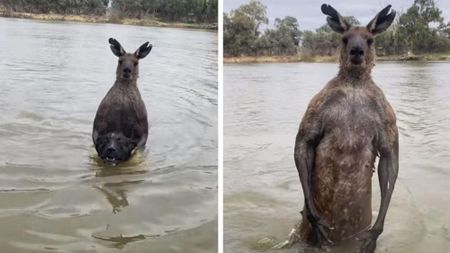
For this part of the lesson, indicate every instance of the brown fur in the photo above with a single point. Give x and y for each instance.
(352, 114)
(346, 68)
(122, 110)
(346, 125)
(120, 124)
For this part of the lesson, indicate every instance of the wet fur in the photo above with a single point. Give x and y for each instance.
(122, 111)
(121, 118)
(346, 125)
(353, 121)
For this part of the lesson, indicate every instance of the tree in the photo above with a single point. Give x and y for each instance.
(416, 26)
(289, 27)
(421, 30)
(241, 28)
(173, 10)
(283, 40)
(256, 12)
(87, 7)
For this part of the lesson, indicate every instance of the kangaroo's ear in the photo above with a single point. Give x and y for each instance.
(381, 21)
(334, 19)
(116, 48)
(143, 50)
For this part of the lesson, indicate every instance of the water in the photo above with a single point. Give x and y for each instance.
(263, 106)
(55, 196)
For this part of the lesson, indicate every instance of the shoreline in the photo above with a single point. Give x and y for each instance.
(323, 59)
(107, 20)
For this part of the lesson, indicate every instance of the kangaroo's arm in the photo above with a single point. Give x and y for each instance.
(98, 126)
(304, 161)
(140, 126)
(308, 137)
(388, 166)
(100, 122)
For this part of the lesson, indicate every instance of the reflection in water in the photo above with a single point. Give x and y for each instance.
(121, 241)
(55, 194)
(115, 193)
(263, 106)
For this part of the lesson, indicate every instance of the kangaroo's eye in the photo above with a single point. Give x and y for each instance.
(345, 40)
(369, 42)
(120, 61)
(135, 64)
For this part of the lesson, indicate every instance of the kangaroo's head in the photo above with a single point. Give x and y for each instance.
(128, 66)
(357, 45)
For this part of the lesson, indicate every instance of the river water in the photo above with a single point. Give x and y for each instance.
(263, 106)
(55, 195)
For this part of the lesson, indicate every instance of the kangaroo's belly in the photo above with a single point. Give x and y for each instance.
(342, 181)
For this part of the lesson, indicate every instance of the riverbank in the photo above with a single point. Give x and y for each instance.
(303, 58)
(278, 59)
(106, 19)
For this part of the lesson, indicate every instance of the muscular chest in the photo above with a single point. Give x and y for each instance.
(351, 115)
(122, 107)
(124, 99)
(350, 107)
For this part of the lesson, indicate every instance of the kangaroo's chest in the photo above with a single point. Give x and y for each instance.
(344, 158)
(351, 116)
(125, 101)
(123, 109)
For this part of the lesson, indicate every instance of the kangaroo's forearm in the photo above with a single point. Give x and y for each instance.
(304, 155)
(388, 171)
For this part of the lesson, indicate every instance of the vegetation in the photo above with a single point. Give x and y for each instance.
(172, 10)
(242, 37)
(85, 7)
(420, 30)
(187, 11)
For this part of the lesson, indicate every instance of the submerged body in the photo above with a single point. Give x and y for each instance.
(344, 128)
(120, 124)
(341, 181)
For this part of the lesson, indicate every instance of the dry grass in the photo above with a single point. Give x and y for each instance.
(306, 58)
(422, 57)
(279, 59)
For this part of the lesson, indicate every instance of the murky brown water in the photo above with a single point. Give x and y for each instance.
(263, 105)
(54, 195)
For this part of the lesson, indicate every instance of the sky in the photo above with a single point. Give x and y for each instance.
(310, 17)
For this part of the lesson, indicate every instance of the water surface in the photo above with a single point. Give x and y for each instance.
(55, 196)
(263, 106)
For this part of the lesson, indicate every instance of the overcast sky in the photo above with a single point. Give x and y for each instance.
(310, 17)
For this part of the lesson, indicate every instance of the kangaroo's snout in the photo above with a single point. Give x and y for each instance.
(357, 55)
(128, 67)
(356, 51)
(357, 48)
(127, 73)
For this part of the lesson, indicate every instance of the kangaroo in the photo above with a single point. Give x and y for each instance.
(346, 125)
(120, 124)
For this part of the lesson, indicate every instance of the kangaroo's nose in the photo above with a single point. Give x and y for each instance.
(356, 51)
(127, 70)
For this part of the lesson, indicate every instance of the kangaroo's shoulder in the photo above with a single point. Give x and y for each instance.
(385, 107)
(330, 92)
